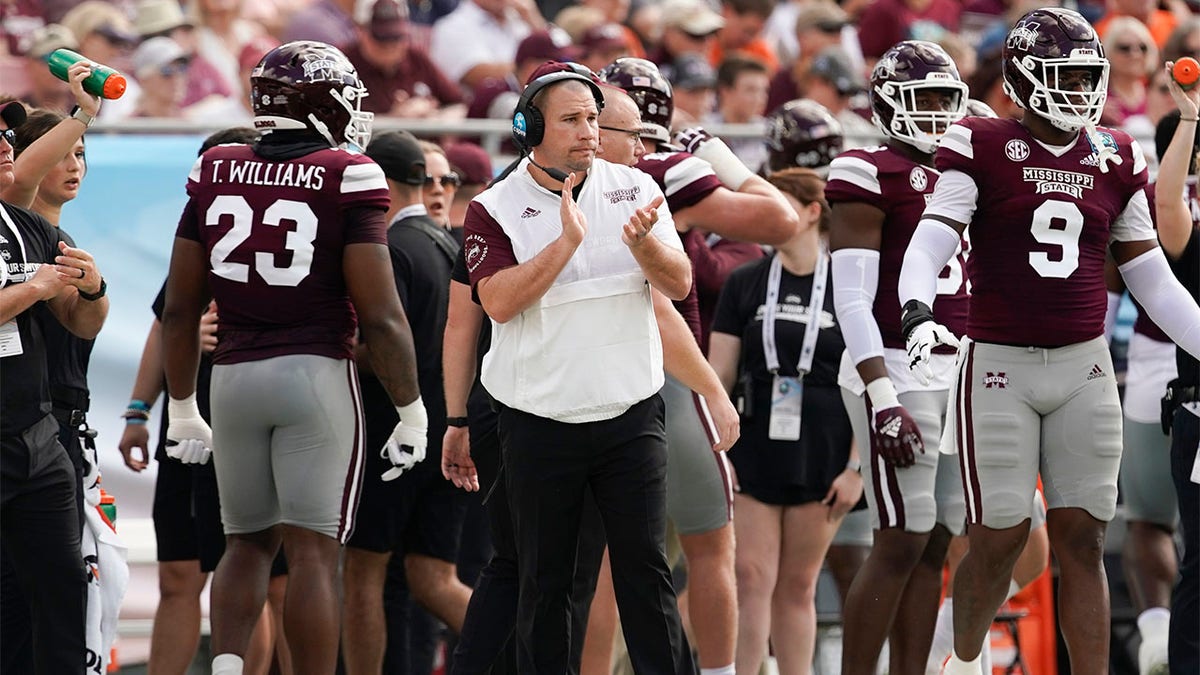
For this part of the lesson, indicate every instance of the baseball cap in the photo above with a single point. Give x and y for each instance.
(13, 113)
(155, 53)
(833, 66)
(48, 38)
(471, 162)
(823, 15)
(605, 37)
(694, 17)
(94, 16)
(399, 155)
(691, 71)
(561, 66)
(389, 21)
(552, 44)
(155, 17)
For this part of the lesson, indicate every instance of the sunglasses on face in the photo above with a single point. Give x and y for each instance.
(447, 180)
(174, 68)
(10, 137)
(1129, 49)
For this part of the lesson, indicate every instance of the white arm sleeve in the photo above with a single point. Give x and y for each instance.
(1110, 315)
(931, 247)
(855, 280)
(1168, 303)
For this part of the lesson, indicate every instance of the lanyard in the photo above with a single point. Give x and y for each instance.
(20, 242)
(816, 303)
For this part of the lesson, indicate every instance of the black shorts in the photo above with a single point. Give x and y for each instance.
(187, 515)
(419, 512)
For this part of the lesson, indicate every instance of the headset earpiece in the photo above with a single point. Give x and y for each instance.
(528, 124)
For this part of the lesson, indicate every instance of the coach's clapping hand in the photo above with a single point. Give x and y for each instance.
(406, 446)
(573, 222)
(641, 223)
(189, 439)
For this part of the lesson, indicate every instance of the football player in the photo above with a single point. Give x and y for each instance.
(1045, 198)
(877, 195)
(802, 133)
(289, 237)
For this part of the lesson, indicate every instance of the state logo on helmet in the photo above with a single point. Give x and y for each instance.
(899, 81)
(1040, 47)
(802, 133)
(311, 85)
(649, 89)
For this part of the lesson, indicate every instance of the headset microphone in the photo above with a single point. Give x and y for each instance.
(553, 173)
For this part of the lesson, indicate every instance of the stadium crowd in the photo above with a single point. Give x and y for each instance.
(423, 406)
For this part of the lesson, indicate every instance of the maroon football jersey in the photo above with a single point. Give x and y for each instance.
(685, 179)
(898, 186)
(274, 232)
(1040, 231)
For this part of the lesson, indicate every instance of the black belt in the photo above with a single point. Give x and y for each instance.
(70, 417)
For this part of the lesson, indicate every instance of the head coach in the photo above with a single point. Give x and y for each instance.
(562, 253)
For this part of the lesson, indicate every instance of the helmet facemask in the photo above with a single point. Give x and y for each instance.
(1068, 110)
(357, 133)
(922, 129)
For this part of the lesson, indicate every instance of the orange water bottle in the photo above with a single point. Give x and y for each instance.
(104, 81)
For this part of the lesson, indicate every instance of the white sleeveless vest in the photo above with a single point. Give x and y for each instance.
(589, 348)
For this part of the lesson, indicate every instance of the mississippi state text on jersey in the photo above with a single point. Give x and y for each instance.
(1042, 224)
(275, 233)
(899, 187)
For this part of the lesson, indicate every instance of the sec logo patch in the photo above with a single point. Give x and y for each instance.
(1017, 150)
(918, 179)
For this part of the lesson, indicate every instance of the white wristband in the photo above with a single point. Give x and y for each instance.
(730, 170)
(413, 414)
(882, 393)
(180, 408)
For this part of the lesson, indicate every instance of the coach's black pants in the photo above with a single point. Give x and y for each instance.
(548, 466)
(486, 641)
(40, 533)
(1184, 648)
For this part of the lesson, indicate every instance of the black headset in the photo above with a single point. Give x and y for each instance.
(528, 124)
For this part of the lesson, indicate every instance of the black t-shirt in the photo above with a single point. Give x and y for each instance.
(422, 274)
(203, 378)
(25, 385)
(740, 312)
(67, 355)
(1187, 270)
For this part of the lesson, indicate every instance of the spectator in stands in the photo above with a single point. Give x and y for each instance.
(988, 85)
(646, 22)
(162, 71)
(46, 90)
(962, 53)
(833, 82)
(742, 85)
(1160, 22)
(617, 11)
(1132, 56)
(1183, 41)
(694, 86)
(328, 21)
(495, 97)
(164, 18)
(742, 33)
(105, 35)
(479, 39)
(221, 33)
(819, 25)
(251, 54)
(688, 27)
(885, 22)
(789, 15)
(401, 78)
(603, 44)
(474, 166)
